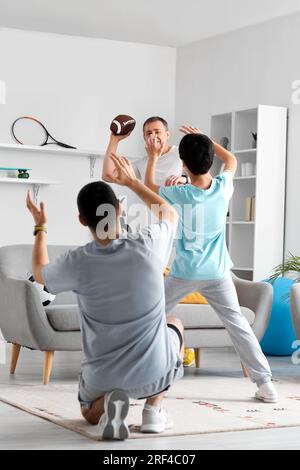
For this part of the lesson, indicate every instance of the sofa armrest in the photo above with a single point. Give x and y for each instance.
(258, 297)
(22, 316)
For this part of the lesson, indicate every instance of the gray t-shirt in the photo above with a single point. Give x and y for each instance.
(121, 299)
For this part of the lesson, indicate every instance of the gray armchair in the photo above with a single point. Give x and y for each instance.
(26, 323)
(23, 319)
(203, 329)
(295, 307)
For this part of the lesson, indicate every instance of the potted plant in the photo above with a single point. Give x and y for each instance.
(290, 265)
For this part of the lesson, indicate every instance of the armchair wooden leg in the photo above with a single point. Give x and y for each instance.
(48, 362)
(198, 357)
(14, 357)
(245, 371)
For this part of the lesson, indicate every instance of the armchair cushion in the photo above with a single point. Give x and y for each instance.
(204, 317)
(63, 317)
(193, 298)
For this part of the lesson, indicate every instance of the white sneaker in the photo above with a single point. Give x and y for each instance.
(155, 420)
(267, 393)
(112, 423)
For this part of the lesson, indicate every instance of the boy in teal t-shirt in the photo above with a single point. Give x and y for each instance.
(202, 262)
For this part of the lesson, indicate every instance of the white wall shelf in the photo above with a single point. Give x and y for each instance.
(36, 184)
(242, 223)
(92, 155)
(255, 246)
(252, 177)
(53, 149)
(242, 269)
(236, 152)
(28, 181)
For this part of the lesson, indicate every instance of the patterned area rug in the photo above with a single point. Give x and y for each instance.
(198, 405)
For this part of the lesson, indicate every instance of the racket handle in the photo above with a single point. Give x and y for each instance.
(66, 146)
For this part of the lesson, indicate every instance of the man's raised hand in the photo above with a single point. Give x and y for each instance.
(154, 147)
(175, 180)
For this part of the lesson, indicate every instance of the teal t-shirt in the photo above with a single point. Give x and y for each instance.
(201, 250)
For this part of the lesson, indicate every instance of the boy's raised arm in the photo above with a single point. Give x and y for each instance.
(150, 175)
(40, 256)
(154, 150)
(227, 157)
(125, 176)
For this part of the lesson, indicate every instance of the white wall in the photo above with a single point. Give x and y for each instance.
(75, 86)
(240, 70)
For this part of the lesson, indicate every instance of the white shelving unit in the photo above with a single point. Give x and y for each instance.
(255, 246)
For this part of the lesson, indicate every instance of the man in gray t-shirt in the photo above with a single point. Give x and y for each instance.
(130, 349)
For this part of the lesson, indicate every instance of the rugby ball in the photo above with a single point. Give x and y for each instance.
(122, 124)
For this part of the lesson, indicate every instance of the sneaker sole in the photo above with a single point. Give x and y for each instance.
(155, 428)
(116, 408)
(266, 400)
(152, 429)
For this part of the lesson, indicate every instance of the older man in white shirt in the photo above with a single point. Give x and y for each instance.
(169, 166)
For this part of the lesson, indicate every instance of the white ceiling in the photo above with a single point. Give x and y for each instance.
(162, 22)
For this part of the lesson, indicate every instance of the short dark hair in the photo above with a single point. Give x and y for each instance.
(197, 153)
(92, 196)
(154, 119)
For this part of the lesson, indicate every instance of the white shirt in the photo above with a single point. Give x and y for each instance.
(167, 165)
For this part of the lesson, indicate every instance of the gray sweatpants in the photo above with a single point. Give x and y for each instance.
(222, 297)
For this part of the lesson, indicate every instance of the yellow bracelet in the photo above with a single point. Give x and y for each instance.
(39, 229)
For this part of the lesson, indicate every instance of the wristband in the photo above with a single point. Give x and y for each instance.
(39, 228)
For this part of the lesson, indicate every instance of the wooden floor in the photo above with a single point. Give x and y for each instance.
(20, 430)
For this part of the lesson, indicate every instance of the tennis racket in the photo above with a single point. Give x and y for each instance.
(27, 130)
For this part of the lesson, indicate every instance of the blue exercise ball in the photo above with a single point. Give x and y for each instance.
(280, 333)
